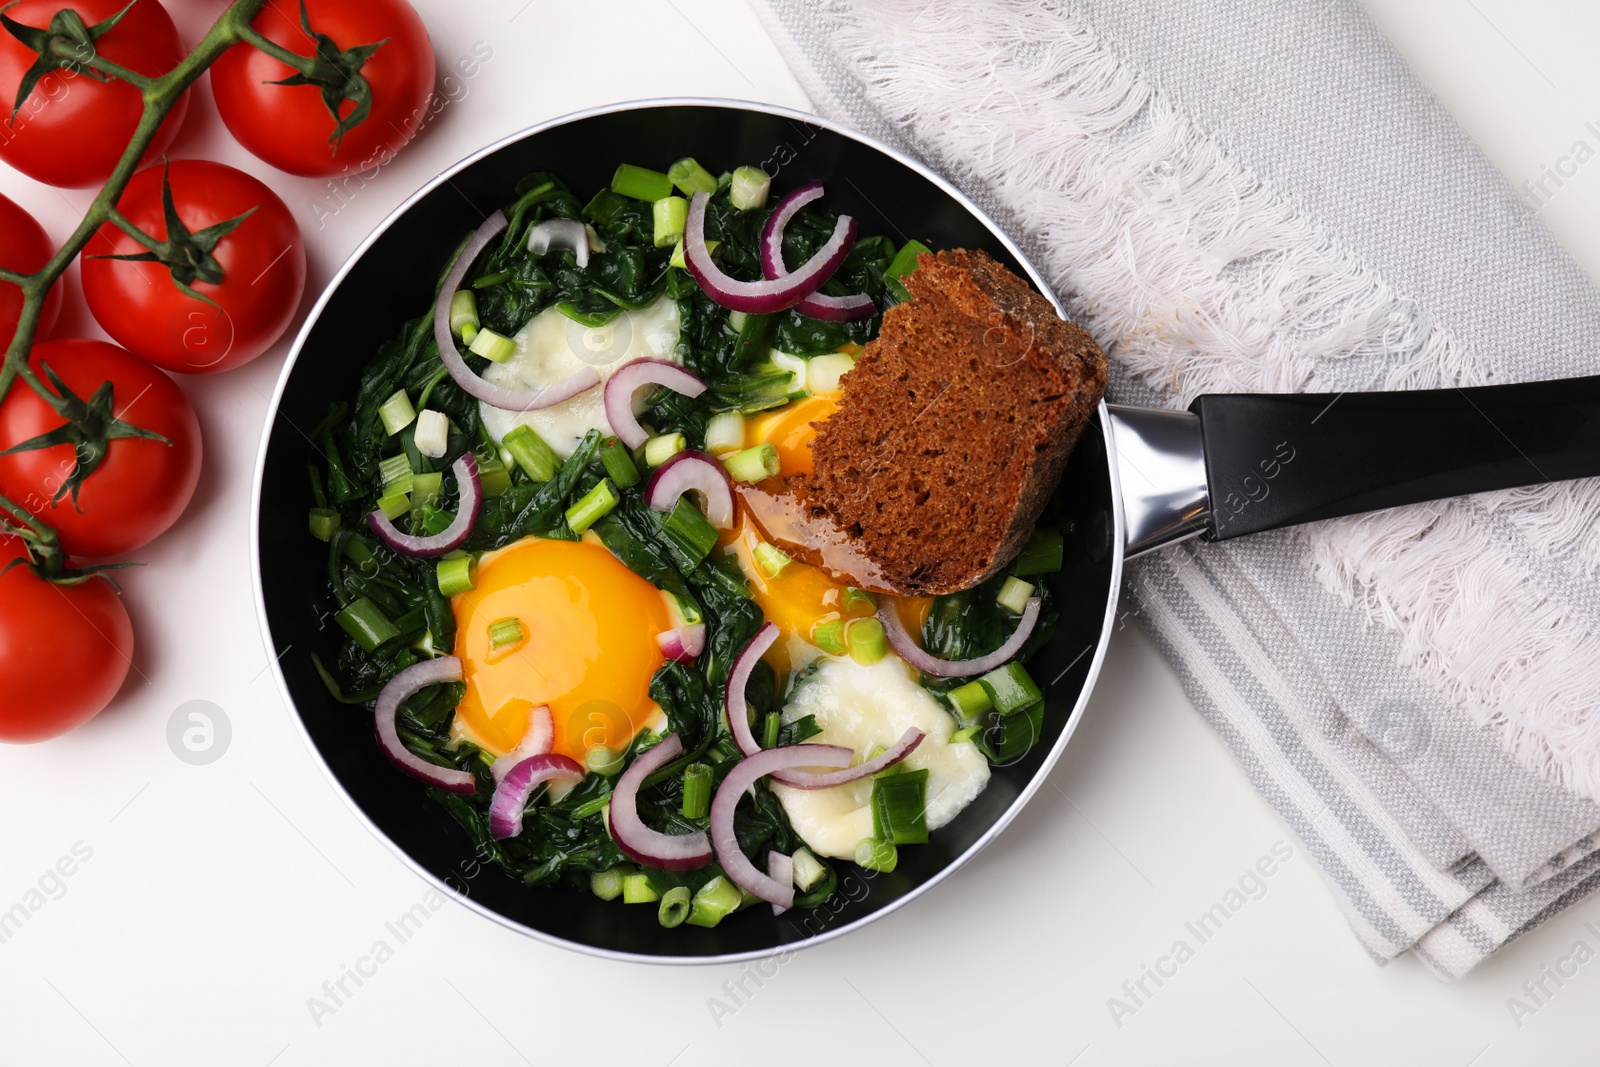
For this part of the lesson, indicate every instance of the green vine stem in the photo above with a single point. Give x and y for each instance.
(160, 95)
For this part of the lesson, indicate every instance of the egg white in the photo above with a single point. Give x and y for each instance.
(860, 707)
(552, 348)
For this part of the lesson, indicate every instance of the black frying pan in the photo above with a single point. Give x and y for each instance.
(1232, 465)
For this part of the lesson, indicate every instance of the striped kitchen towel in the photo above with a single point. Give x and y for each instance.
(1257, 195)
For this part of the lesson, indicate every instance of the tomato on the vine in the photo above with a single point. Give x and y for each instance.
(141, 485)
(64, 649)
(237, 246)
(24, 248)
(75, 123)
(292, 127)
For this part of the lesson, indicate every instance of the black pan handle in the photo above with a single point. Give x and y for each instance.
(1275, 460)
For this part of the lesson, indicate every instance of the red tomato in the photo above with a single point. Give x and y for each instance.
(64, 650)
(73, 128)
(24, 247)
(141, 487)
(263, 265)
(289, 126)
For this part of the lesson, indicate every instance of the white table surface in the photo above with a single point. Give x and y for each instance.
(218, 899)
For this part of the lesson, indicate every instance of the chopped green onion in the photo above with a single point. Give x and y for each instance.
(432, 435)
(363, 620)
(492, 474)
(396, 474)
(394, 505)
(808, 870)
(824, 372)
(618, 463)
(594, 504)
(456, 574)
(714, 901)
(494, 347)
(749, 188)
(1014, 595)
(603, 760)
(359, 552)
(640, 183)
(771, 559)
(1004, 738)
(1010, 688)
(690, 177)
(504, 633)
(604, 207)
(669, 214)
(899, 807)
(753, 464)
(397, 413)
(674, 907)
(684, 611)
(828, 635)
(636, 889)
(696, 791)
(964, 734)
(536, 458)
(725, 432)
(469, 334)
(677, 260)
(607, 885)
(904, 262)
(1042, 553)
(690, 532)
(592, 806)
(769, 730)
(859, 601)
(425, 488)
(866, 640)
(430, 519)
(659, 449)
(874, 855)
(970, 700)
(463, 310)
(323, 522)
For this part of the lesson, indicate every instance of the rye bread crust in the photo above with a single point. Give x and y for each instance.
(954, 426)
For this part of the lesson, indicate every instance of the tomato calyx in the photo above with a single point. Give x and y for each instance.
(186, 255)
(333, 70)
(42, 554)
(91, 425)
(68, 44)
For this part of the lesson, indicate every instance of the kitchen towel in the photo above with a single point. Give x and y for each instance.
(1257, 195)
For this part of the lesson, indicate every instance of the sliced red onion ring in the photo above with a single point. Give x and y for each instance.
(511, 795)
(627, 382)
(497, 396)
(401, 687)
(691, 471)
(882, 761)
(928, 663)
(560, 233)
(450, 538)
(744, 774)
(817, 305)
(667, 852)
(738, 678)
(780, 868)
(540, 735)
(683, 644)
(769, 294)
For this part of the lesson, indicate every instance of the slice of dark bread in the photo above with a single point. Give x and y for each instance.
(955, 425)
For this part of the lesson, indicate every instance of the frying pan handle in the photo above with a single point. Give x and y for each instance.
(1285, 459)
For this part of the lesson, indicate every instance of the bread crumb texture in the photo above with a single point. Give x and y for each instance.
(955, 425)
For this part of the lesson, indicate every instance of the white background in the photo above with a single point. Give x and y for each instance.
(218, 899)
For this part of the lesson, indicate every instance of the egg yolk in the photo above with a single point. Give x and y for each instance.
(800, 596)
(589, 651)
(790, 431)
